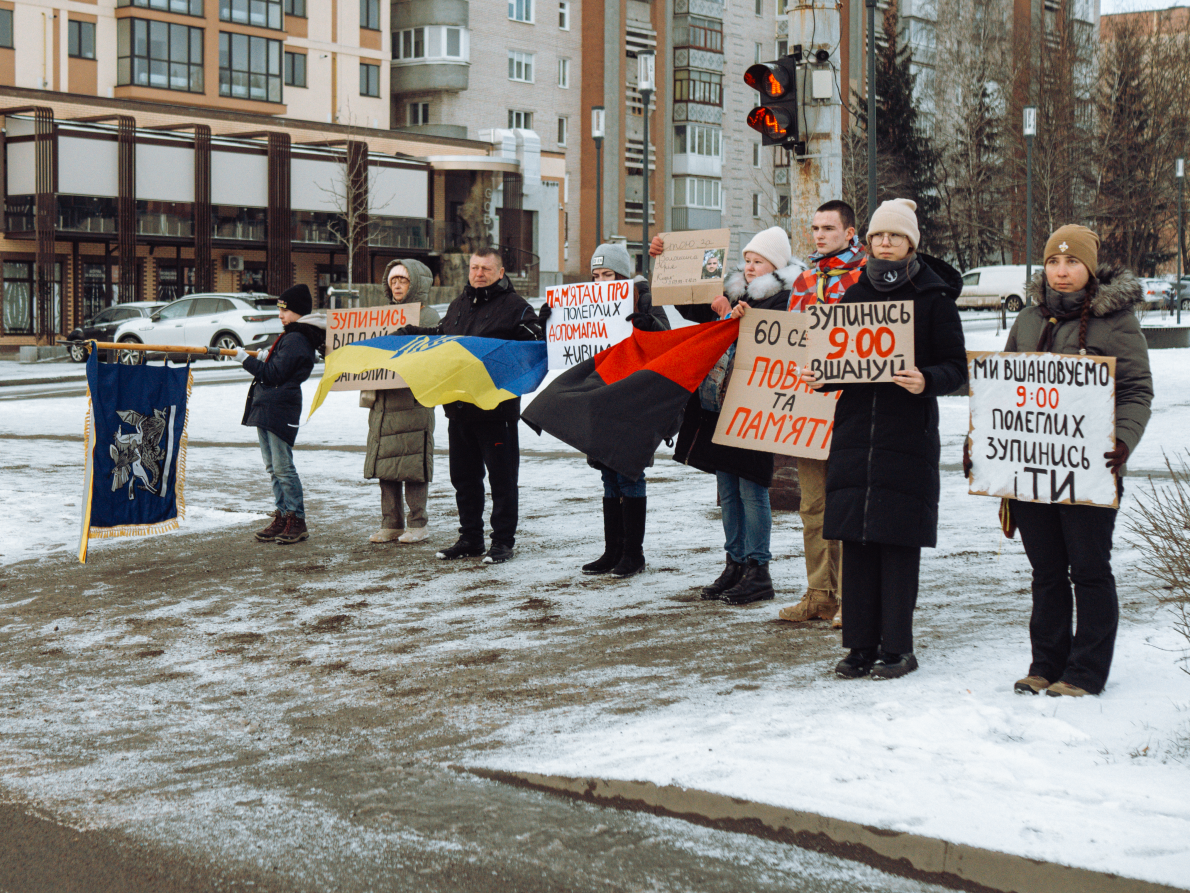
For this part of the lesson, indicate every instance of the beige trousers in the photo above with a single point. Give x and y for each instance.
(822, 556)
(390, 504)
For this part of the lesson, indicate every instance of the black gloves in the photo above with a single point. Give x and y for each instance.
(418, 330)
(1117, 457)
(646, 322)
(543, 314)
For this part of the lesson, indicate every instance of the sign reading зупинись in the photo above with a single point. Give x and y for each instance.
(1040, 424)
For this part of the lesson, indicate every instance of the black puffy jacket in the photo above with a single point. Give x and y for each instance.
(882, 484)
(275, 396)
(494, 311)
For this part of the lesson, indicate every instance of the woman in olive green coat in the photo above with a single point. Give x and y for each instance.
(401, 430)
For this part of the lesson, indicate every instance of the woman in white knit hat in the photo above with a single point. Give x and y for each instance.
(743, 476)
(882, 484)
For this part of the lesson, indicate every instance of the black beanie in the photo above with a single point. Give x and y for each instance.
(297, 299)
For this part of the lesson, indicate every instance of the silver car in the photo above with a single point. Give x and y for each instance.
(227, 320)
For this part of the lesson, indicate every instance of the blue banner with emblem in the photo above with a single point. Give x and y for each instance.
(135, 470)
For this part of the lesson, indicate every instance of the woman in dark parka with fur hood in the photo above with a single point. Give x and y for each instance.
(401, 430)
(882, 484)
(1079, 306)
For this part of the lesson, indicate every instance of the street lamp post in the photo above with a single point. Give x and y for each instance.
(1180, 173)
(645, 83)
(1030, 128)
(597, 126)
(871, 108)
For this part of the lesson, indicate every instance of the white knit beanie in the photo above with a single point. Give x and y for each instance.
(896, 216)
(773, 245)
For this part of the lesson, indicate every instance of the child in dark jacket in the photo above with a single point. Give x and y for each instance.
(274, 408)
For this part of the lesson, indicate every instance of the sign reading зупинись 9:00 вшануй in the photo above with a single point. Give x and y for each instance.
(860, 343)
(1040, 424)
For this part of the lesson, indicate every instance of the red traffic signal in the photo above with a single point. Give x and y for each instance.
(777, 119)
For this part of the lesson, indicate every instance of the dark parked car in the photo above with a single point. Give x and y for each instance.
(103, 326)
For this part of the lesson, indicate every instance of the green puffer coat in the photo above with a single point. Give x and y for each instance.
(401, 430)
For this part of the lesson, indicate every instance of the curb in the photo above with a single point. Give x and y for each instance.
(928, 859)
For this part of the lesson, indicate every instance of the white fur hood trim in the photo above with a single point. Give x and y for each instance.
(761, 287)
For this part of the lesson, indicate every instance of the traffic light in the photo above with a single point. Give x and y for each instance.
(777, 119)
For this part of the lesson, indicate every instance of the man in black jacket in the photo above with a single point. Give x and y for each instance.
(274, 408)
(480, 439)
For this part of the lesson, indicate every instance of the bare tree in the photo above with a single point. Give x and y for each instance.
(352, 194)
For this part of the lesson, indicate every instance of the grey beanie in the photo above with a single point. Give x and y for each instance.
(614, 257)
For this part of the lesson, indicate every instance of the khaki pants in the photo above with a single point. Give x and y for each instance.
(822, 556)
(390, 504)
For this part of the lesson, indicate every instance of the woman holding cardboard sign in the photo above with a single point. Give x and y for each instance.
(882, 484)
(401, 430)
(743, 476)
(1079, 307)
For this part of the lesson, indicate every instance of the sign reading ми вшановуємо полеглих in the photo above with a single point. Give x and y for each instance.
(1040, 424)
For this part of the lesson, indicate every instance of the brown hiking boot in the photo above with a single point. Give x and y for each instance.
(1058, 689)
(816, 604)
(277, 525)
(295, 531)
(1031, 685)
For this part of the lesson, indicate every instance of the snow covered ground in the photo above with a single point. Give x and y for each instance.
(947, 752)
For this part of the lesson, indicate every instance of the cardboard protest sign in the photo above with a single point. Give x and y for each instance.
(360, 324)
(586, 318)
(768, 407)
(1040, 424)
(860, 343)
(691, 269)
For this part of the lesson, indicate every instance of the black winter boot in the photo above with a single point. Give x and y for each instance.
(730, 576)
(633, 560)
(755, 586)
(856, 664)
(613, 539)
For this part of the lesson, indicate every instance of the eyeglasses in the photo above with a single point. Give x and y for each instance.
(894, 239)
(404, 279)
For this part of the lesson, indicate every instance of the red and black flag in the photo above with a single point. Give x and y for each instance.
(619, 405)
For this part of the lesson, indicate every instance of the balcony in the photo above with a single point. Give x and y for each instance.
(426, 77)
(695, 218)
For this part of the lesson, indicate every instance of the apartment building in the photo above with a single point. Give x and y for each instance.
(315, 60)
(506, 72)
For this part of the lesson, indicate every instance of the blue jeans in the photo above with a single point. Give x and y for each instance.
(616, 485)
(278, 462)
(747, 518)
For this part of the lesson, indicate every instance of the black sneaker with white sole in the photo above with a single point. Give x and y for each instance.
(498, 554)
(462, 549)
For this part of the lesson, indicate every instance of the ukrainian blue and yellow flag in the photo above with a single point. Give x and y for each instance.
(443, 368)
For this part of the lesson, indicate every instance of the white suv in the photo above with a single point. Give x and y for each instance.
(228, 320)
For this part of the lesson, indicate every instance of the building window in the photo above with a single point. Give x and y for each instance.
(706, 34)
(6, 28)
(697, 192)
(369, 14)
(249, 67)
(518, 119)
(760, 7)
(698, 86)
(756, 154)
(783, 205)
(564, 73)
(260, 13)
(520, 10)
(755, 205)
(369, 79)
(295, 69)
(81, 39)
(295, 8)
(782, 7)
(758, 52)
(520, 66)
(417, 113)
(20, 307)
(780, 157)
(564, 15)
(433, 42)
(180, 7)
(696, 139)
(159, 54)
(563, 130)
(782, 48)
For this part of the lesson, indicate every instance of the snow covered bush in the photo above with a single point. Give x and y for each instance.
(1160, 528)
